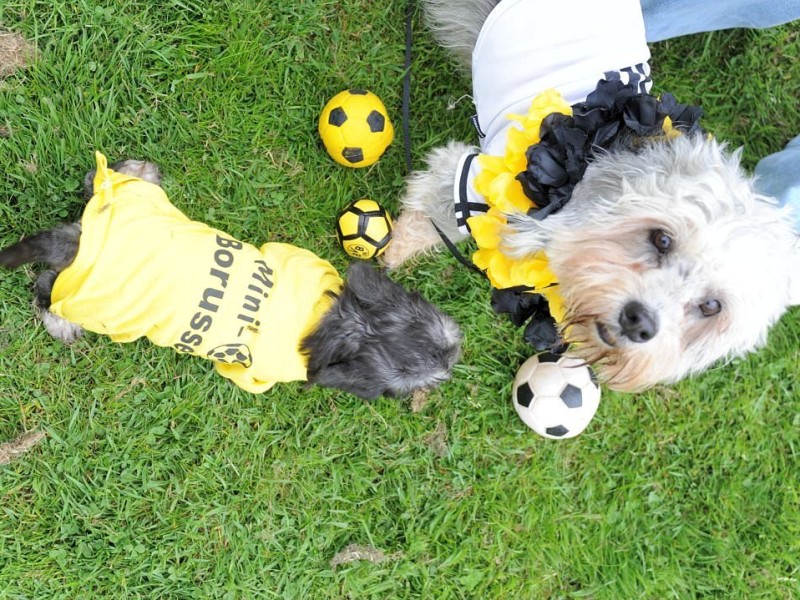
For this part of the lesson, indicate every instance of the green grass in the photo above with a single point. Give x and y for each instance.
(158, 479)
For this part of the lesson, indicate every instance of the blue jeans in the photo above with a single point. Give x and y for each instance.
(778, 175)
(665, 19)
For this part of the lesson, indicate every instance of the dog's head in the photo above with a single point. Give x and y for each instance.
(381, 340)
(668, 261)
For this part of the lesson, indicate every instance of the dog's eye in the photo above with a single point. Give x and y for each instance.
(709, 308)
(661, 240)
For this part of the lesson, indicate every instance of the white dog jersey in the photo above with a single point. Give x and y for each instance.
(526, 47)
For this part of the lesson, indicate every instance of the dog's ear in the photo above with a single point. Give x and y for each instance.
(369, 285)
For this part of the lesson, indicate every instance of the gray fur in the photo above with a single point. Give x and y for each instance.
(381, 340)
(144, 170)
(55, 247)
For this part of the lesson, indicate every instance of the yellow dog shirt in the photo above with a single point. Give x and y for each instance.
(145, 269)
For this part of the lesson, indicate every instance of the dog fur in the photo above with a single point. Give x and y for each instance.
(377, 339)
(667, 258)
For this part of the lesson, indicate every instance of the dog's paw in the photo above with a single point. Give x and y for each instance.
(143, 169)
(413, 235)
(60, 328)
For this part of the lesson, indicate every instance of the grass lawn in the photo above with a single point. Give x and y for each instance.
(157, 479)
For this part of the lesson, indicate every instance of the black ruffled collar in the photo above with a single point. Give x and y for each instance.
(613, 114)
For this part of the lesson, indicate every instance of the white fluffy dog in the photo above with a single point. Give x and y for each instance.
(666, 258)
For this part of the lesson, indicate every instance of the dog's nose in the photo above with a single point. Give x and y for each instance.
(637, 323)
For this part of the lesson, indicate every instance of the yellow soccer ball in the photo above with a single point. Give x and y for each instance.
(364, 229)
(355, 128)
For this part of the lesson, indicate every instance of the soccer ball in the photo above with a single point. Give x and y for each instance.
(364, 228)
(555, 396)
(232, 354)
(355, 128)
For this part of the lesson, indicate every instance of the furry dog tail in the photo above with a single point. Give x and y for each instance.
(54, 247)
(456, 25)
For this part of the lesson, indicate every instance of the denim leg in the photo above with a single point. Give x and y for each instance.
(778, 175)
(665, 19)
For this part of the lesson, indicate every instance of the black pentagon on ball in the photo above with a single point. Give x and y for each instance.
(524, 395)
(353, 155)
(376, 121)
(557, 431)
(358, 92)
(572, 396)
(337, 117)
(546, 357)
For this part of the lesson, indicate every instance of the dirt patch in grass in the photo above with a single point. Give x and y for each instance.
(15, 52)
(418, 400)
(355, 552)
(437, 440)
(11, 451)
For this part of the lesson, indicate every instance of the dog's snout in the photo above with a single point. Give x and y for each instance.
(637, 322)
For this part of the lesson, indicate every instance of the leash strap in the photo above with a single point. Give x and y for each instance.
(455, 251)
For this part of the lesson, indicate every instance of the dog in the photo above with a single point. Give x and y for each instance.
(661, 256)
(136, 266)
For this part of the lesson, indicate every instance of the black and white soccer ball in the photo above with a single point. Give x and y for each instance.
(556, 396)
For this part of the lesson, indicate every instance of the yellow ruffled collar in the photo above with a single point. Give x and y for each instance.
(497, 181)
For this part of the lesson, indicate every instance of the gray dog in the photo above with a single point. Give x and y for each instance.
(136, 266)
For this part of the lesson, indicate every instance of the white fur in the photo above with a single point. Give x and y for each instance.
(794, 284)
(730, 245)
(59, 327)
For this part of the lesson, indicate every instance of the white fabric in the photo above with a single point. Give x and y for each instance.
(529, 46)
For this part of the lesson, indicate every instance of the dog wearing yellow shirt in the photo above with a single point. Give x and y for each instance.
(136, 267)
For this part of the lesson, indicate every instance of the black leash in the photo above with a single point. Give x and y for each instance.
(456, 253)
(407, 134)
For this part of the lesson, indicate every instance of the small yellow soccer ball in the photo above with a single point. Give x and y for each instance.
(364, 229)
(355, 128)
